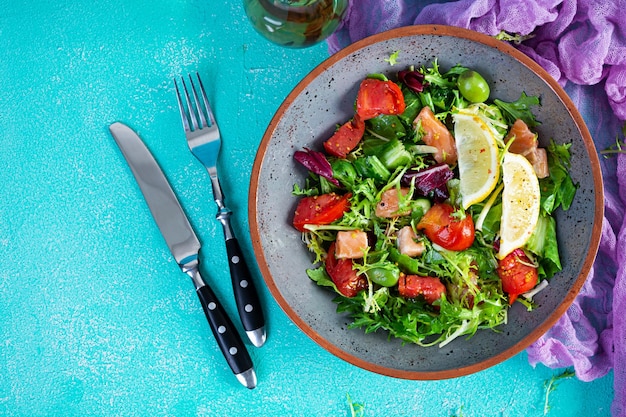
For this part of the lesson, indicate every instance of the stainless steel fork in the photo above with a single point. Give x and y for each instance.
(203, 138)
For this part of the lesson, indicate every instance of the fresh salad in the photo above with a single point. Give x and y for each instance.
(430, 211)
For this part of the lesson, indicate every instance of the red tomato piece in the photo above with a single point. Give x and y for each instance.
(346, 279)
(414, 286)
(320, 209)
(443, 228)
(376, 97)
(517, 273)
(436, 134)
(345, 138)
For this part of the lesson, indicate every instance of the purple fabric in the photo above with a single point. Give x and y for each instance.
(582, 44)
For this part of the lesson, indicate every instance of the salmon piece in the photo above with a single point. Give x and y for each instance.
(389, 204)
(350, 244)
(539, 160)
(526, 143)
(436, 134)
(407, 244)
(525, 140)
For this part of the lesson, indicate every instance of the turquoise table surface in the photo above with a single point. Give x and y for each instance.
(96, 317)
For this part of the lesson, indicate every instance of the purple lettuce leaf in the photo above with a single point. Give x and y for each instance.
(414, 80)
(429, 180)
(317, 163)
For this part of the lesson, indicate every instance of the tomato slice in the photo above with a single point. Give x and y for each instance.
(414, 286)
(346, 137)
(517, 274)
(376, 97)
(321, 209)
(443, 228)
(346, 279)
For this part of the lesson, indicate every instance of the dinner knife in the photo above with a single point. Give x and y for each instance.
(184, 245)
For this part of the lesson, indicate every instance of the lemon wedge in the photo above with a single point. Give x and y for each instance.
(477, 150)
(520, 203)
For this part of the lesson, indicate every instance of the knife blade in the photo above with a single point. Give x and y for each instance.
(184, 246)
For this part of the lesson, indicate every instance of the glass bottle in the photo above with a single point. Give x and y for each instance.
(295, 23)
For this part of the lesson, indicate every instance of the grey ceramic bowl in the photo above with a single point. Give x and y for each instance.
(308, 116)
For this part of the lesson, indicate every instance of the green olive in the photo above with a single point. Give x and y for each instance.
(387, 275)
(473, 86)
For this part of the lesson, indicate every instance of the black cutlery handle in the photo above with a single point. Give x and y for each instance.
(246, 296)
(225, 333)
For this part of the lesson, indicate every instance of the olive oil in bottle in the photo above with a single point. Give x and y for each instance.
(295, 23)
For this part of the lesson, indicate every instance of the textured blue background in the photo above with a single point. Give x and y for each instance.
(96, 318)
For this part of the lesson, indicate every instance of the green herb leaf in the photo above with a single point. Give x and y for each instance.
(519, 109)
(393, 58)
(516, 38)
(551, 385)
(356, 409)
(618, 147)
(320, 276)
(558, 189)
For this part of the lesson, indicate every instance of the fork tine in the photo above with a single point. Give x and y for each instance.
(190, 108)
(207, 106)
(183, 113)
(202, 121)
